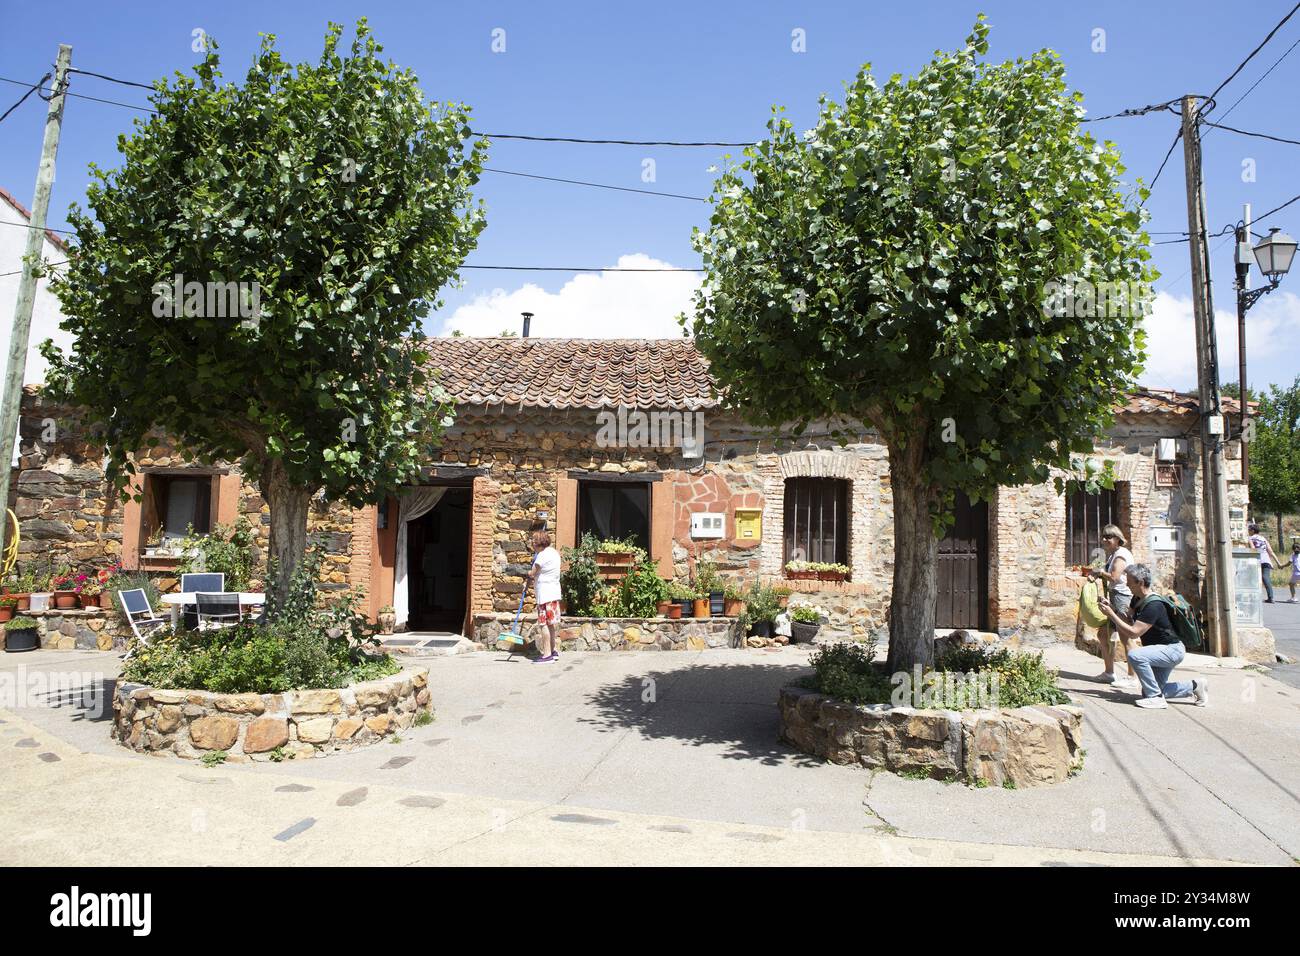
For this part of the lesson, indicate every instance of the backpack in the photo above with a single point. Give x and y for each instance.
(1182, 616)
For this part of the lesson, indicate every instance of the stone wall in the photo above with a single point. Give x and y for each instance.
(83, 629)
(1020, 747)
(620, 633)
(298, 724)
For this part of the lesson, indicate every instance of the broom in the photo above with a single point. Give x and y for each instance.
(513, 636)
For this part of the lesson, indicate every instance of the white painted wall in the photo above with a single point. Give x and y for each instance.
(46, 313)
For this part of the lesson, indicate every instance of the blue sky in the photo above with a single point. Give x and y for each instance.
(691, 71)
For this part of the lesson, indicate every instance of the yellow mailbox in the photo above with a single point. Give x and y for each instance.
(749, 524)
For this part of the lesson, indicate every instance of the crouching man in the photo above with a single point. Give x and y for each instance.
(1160, 649)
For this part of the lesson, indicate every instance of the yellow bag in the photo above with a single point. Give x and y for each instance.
(1089, 612)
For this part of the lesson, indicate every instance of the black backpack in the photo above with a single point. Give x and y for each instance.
(1181, 615)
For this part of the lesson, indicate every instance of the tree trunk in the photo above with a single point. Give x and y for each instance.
(1280, 543)
(911, 605)
(288, 505)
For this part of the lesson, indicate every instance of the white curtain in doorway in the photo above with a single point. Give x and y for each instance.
(411, 504)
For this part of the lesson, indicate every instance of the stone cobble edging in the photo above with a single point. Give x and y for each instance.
(1020, 747)
(621, 633)
(297, 723)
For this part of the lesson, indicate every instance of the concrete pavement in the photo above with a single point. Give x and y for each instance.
(1283, 620)
(653, 758)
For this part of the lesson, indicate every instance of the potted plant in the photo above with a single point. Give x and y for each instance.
(805, 621)
(668, 608)
(832, 572)
(683, 597)
(21, 635)
(800, 571)
(65, 590)
(733, 604)
(89, 591)
(387, 619)
(709, 583)
(701, 605)
(8, 604)
(762, 605)
(615, 551)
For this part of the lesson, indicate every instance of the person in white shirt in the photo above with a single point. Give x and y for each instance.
(1295, 570)
(545, 576)
(1118, 558)
(1267, 560)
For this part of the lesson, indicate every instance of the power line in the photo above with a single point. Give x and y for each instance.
(83, 96)
(1156, 177)
(1243, 132)
(1138, 111)
(1241, 66)
(599, 142)
(35, 86)
(574, 269)
(114, 79)
(580, 182)
(1261, 79)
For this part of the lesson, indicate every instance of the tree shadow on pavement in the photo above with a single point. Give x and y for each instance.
(729, 707)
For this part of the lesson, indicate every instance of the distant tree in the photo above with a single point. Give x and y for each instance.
(332, 198)
(899, 266)
(1275, 455)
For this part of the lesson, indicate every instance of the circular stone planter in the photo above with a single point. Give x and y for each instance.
(297, 723)
(1016, 747)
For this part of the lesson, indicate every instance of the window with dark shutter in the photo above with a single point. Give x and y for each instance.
(817, 520)
(611, 510)
(1085, 516)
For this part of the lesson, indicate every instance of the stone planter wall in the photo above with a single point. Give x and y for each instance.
(91, 629)
(620, 633)
(301, 723)
(1022, 746)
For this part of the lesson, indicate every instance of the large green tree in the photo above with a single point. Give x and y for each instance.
(901, 266)
(339, 202)
(1275, 455)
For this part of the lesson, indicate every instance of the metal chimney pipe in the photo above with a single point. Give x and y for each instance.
(528, 318)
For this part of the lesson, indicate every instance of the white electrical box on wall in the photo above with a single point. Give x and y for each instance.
(708, 524)
(1167, 449)
(1165, 538)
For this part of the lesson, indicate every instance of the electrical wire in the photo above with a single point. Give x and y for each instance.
(34, 87)
(580, 182)
(1241, 66)
(1243, 132)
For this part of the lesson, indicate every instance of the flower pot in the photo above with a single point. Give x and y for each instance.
(23, 640)
(687, 606)
(801, 633)
(701, 608)
(88, 600)
(673, 611)
(387, 620)
(24, 601)
(761, 629)
(37, 601)
(6, 614)
(661, 608)
(733, 607)
(65, 600)
(616, 557)
(717, 603)
(801, 575)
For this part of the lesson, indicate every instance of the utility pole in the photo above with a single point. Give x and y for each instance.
(1220, 605)
(12, 398)
(1243, 259)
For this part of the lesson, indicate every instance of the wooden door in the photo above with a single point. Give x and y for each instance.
(963, 568)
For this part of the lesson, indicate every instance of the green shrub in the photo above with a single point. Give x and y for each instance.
(130, 581)
(642, 589)
(227, 550)
(580, 581)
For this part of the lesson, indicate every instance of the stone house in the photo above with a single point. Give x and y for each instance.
(625, 437)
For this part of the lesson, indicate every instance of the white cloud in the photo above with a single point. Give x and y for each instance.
(1272, 341)
(641, 305)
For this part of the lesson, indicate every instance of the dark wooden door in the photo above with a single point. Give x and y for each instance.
(963, 568)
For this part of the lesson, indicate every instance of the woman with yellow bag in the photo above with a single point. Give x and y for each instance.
(1109, 577)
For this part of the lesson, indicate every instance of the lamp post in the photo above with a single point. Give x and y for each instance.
(1273, 255)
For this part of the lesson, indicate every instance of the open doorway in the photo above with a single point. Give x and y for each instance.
(438, 564)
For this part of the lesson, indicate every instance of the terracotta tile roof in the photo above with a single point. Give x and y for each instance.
(637, 373)
(59, 242)
(573, 373)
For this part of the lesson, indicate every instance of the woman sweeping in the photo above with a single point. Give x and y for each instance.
(545, 575)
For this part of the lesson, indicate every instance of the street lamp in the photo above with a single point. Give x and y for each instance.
(1273, 255)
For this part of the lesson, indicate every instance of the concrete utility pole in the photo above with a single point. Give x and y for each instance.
(1220, 604)
(12, 398)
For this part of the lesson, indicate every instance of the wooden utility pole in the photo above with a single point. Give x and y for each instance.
(1242, 259)
(12, 397)
(1220, 605)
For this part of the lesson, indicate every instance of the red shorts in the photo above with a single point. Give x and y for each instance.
(548, 613)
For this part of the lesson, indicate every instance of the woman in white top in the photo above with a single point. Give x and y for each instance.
(1118, 558)
(545, 575)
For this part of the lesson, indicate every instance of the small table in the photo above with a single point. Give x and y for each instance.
(179, 600)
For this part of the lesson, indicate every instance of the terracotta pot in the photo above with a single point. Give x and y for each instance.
(6, 614)
(24, 601)
(701, 607)
(387, 621)
(65, 600)
(673, 611)
(662, 608)
(612, 557)
(733, 607)
(88, 600)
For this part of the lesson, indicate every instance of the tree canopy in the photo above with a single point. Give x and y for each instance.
(1275, 453)
(325, 205)
(948, 259)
